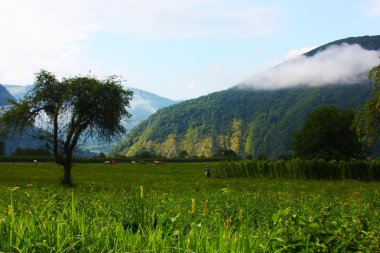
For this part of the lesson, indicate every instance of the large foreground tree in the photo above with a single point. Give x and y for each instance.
(327, 134)
(68, 111)
(367, 122)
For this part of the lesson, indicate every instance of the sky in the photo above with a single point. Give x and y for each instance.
(179, 49)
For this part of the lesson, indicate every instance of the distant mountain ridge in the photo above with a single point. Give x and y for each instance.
(145, 103)
(5, 96)
(367, 42)
(248, 121)
(20, 141)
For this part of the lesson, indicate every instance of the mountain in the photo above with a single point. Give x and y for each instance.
(17, 91)
(143, 105)
(5, 96)
(252, 118)
(12, 142)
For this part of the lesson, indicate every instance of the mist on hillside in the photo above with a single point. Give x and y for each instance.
(338, 64)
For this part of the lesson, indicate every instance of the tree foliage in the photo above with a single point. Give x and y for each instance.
(225, 153)
(68, 111)
(327, 134)
(367, 122)
(2, 147)
(31, 152)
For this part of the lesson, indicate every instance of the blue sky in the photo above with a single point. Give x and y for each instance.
(176, 49)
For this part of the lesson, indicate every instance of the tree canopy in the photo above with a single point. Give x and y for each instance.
(367, 122)
(68, 111)
(327, 134)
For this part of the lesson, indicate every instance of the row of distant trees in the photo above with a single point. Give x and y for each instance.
(184, 154)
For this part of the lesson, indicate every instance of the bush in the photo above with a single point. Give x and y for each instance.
(302, 169)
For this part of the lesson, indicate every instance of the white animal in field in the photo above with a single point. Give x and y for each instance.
(110, 162)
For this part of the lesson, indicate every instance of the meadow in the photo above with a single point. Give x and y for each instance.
(173, 207)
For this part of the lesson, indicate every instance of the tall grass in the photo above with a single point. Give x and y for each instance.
(175, 209)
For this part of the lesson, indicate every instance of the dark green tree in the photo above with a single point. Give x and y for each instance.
(101, 155)
(367, 122)
(69, 111)
(327, 134)
(225, 153)
(31, 152)
(144, 154)
(183, 154)
(2, 147)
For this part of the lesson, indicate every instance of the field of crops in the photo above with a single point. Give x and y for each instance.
(174, 208)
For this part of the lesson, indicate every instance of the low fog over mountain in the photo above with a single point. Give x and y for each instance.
(337, 64)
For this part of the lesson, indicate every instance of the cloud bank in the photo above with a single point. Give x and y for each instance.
(190, 18)
(59, 35)
(343, 64)
(374, 9)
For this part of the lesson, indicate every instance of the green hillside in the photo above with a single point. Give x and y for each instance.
(258, 122)
(246, 121)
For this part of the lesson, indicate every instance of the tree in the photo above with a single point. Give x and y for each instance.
(144, 154)
(183, 154)
(2, 147)
(225, 153)
(31, 152)
(101, 155)
(68, 111)
(367, 121)
(327, 134)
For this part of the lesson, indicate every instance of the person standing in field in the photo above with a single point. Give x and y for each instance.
(208, 172)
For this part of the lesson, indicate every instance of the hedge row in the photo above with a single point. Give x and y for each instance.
(302, 169)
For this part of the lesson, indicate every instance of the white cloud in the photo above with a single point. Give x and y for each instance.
(192, 86)
(190, 18)
(374, 10)
(344, 64)
(37, 34)
(56, 35)
(297, 52)
(138, 102)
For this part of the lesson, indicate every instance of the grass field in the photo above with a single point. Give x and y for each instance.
(174, 208)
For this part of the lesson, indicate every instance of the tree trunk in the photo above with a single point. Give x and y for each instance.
(67, 174)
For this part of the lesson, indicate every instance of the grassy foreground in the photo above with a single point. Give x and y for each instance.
(174, 208)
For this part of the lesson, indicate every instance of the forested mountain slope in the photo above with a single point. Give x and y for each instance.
(246, 121)
(251, 120)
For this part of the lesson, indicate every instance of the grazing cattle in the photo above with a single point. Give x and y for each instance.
(133, 162)
(157, 162)
(112, 162)
(35, 162)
